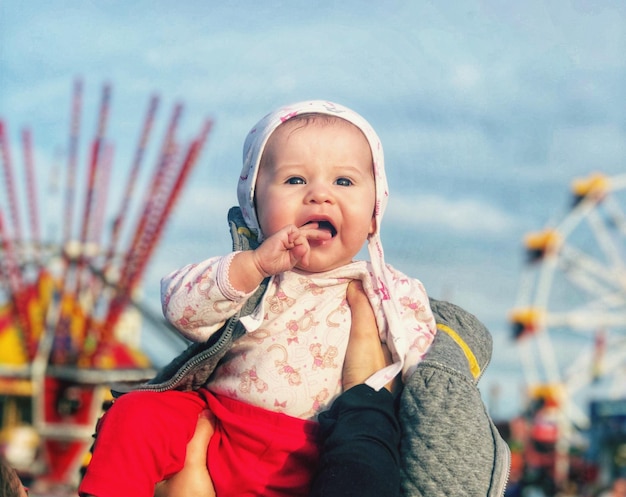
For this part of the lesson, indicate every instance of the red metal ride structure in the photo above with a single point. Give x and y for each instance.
(68, 308)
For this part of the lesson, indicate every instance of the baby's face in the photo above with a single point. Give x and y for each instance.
(320, 172)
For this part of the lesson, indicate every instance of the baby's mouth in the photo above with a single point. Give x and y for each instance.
(326, 226)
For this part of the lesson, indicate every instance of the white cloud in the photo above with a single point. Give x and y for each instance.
(466, 76)
(468, 217)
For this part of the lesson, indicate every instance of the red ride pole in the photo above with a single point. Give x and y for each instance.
(158, 224)
(138, 259)
(91, 181)
(9, 266)
(152, 198)
(132, 180)
(70, 190)
(104, 178)
(31, 188)
(9, 183)
(77, 101)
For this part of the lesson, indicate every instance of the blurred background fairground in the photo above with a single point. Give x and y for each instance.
(504, 127)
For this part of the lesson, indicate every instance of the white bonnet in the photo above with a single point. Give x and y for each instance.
(259, 135)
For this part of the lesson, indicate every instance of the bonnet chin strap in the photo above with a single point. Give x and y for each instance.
(395, 338)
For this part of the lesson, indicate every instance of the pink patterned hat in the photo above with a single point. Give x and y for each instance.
(259, 135)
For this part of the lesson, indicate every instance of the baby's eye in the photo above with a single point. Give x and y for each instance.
(344, 182)
(295, 181)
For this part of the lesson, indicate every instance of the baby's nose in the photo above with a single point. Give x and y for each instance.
(319, 193)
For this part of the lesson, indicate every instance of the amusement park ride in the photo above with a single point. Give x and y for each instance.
(69, 308)
(570, 317)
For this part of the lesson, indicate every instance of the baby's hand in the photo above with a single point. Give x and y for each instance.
(287, 248)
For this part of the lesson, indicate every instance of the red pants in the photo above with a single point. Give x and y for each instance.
(142, 440)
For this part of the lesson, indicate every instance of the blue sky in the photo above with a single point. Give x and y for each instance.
(487, 111)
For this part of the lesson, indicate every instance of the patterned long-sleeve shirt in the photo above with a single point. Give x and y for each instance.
(291, 358)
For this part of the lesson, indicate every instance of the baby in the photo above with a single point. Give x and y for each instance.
(312, 191)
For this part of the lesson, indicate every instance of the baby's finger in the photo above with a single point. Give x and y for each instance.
(312, 231)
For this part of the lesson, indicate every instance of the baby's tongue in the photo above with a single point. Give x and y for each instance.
(326, 226)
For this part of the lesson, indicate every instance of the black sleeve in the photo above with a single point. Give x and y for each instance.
(360, 438)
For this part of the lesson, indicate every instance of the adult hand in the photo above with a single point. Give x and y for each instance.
(365, 354)
(194, 479)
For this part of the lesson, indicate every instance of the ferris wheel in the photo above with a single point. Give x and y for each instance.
(570, 316)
